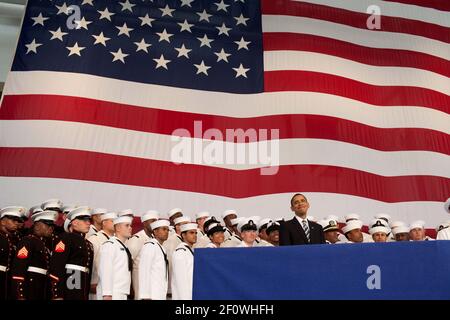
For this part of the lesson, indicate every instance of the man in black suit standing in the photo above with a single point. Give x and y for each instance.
(300, 230)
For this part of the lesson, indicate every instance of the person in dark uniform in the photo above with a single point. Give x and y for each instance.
(55, 205)
(29, 267)
(72, 258)
(9, 220)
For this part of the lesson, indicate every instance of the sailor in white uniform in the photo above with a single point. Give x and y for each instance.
(273, 233)
(247, 229)
(135, 244)
(115, 266)
(97, 240)
(202, 238)
(183, 264)
(173, 214)
(154, 265)
(228, 216)
(96, 221)
(235, 239)
(379, 231)
(215, 232)
(417, 231)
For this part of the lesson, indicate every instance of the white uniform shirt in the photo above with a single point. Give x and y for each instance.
(202, 240)
(228, 234)
(244, 245)
(135, 244)
(264, 243)
(154, 275)
(97, 240)
(232, 242)
(182, 272)
(114, 271)
(170, 245)
(211, 245)
(92, 230)
(444, 234)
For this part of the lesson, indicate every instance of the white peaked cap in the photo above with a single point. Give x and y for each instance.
(379, 229)
(203, 214)
(35, 209)
(378, 221)
(78, 212)
(396, 224)
(188, 226)
(45, 215)
(159, 224)
(13, 211)
(228, 212)
(400, 229)
(99, 211)
(123, 219)
(126, 212)
(69, 207)
(447, 205)
(382, 216)
(108, 215)
(263, 222)
(66, 225)
(150, 214)
(352, 216)
(351, 225)
(417, 224)
(174, 211)
(51, 203)
(181, 220)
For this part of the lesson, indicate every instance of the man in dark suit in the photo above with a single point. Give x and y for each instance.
(300, 230)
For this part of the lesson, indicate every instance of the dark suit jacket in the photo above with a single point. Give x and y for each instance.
(291, 233)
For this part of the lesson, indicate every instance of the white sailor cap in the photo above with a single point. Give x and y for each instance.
(209, 221)
(12, 211)
(35, 209)
(188, 226)
(99, 211)
(383, 216)
(174, 211)
(108, 215)
(400, 229)
(123, 219)
(329, 225)
(80, 212)
(215, 227)
(246, 225)
(159, 223)
(262, 224)
(396, 224)
(182, 219)
(379, 226)
(236, 221)
(150, 214)
(419, 224)
(351, 225)
(69, 207)
(126, 212)
(447, 205)
(47, 216)
(203, 214)
(52, 204)
(378, 222)
(272, 226)
(351, 216)
(228, 212)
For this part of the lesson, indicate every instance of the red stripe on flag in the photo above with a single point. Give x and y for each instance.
(91, 166)
(355, 19)
(443, 5)
(372, 56)
(297, 80)
(49, 107)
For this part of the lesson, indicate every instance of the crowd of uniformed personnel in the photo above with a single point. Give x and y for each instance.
(79, 253)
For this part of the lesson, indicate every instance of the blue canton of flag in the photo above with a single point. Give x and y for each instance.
(196, 44)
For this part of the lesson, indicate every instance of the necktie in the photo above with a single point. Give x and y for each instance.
(306, 228)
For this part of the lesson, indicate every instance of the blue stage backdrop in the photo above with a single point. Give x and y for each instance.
(403, 270)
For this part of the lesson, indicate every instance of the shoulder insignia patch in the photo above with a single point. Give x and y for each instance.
(60, 247)
(22, 253)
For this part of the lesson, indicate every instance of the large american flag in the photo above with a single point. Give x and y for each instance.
(98, 86)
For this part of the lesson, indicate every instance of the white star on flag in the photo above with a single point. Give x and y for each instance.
(87, 2)
(222, 55)
(203, 16)
(164, 36)
(124, 30)
(161, 62)
(32, 47)
(127, 6)
(186, 3)
(63, 9)
(39, 19)
(241, 20)
(142, 45)
(183, 51)
(205, 41)
(185, 26)
(166, 11)
(242, 44)
(222, 6)
(241, 71)
(100, 39)
(146, 20)
(202, 68)
(83, 23)
(119, 55)
(223, 29)
(57, 34)
(75, 50)
(105, 14)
